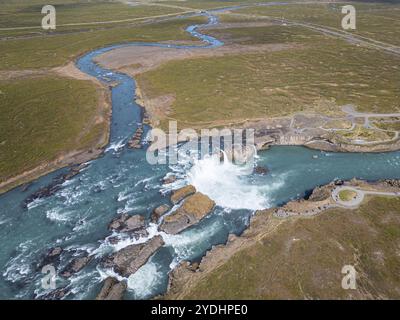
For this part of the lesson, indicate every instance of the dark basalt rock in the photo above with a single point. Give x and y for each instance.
(73, 172)
(51, 257)
(25, 187)
(260, 170)
(55, 185)
(56, 294)
(338, 182)
(42, 193)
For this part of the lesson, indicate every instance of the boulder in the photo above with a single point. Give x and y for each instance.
(392, 183)
(135, 141)
(55, 252)
(159, 212)
(117, 223)
(51, 257)
(260, 170)
(129, 259)
(75, 266)
(43, 193)
(194, 208)
(182, 193)
(169, 179)
(112, 290)
(135, 225)
(338, 182)
(117, 291)
(320, 193)
(194, 266)
(146, 119)
(73, 172)
(56, 294)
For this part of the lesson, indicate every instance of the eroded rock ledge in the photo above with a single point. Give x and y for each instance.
(264, 222)
(112, 289)
(194, 208)
(129, 259)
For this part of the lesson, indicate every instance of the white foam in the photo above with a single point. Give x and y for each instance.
(116, 146)
(4, 221)
(20, 266)
(72, 195)
(124, 241)
(144, 280)
(226, 183)
(55, 214)
(35, 203)
(187, 243)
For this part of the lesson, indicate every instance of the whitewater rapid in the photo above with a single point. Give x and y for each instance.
(228, 184)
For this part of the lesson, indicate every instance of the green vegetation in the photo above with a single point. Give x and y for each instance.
(388, 125)
(50, 51)
(337, 124)
(303, 258)
(42, 117)
(361, 133)
(28, 13)
(263, 35)
(379, 21)
(207, 4)
(316, 73)
(347, 195)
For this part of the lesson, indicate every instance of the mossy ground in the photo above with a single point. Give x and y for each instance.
(41, 117)
(303, 258)
(316, 73)
(347, 195)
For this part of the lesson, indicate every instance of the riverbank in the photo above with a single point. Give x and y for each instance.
(89, 141)
(280, 255)
(255, 79)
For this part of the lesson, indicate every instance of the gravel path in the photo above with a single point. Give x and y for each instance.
(359, 197)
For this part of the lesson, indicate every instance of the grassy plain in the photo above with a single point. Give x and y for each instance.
(388, 125)
(42, 117)
(361, 133)
(379, 21)
(303, 258)
(54, 50)
(28, 13)
(315, 74)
